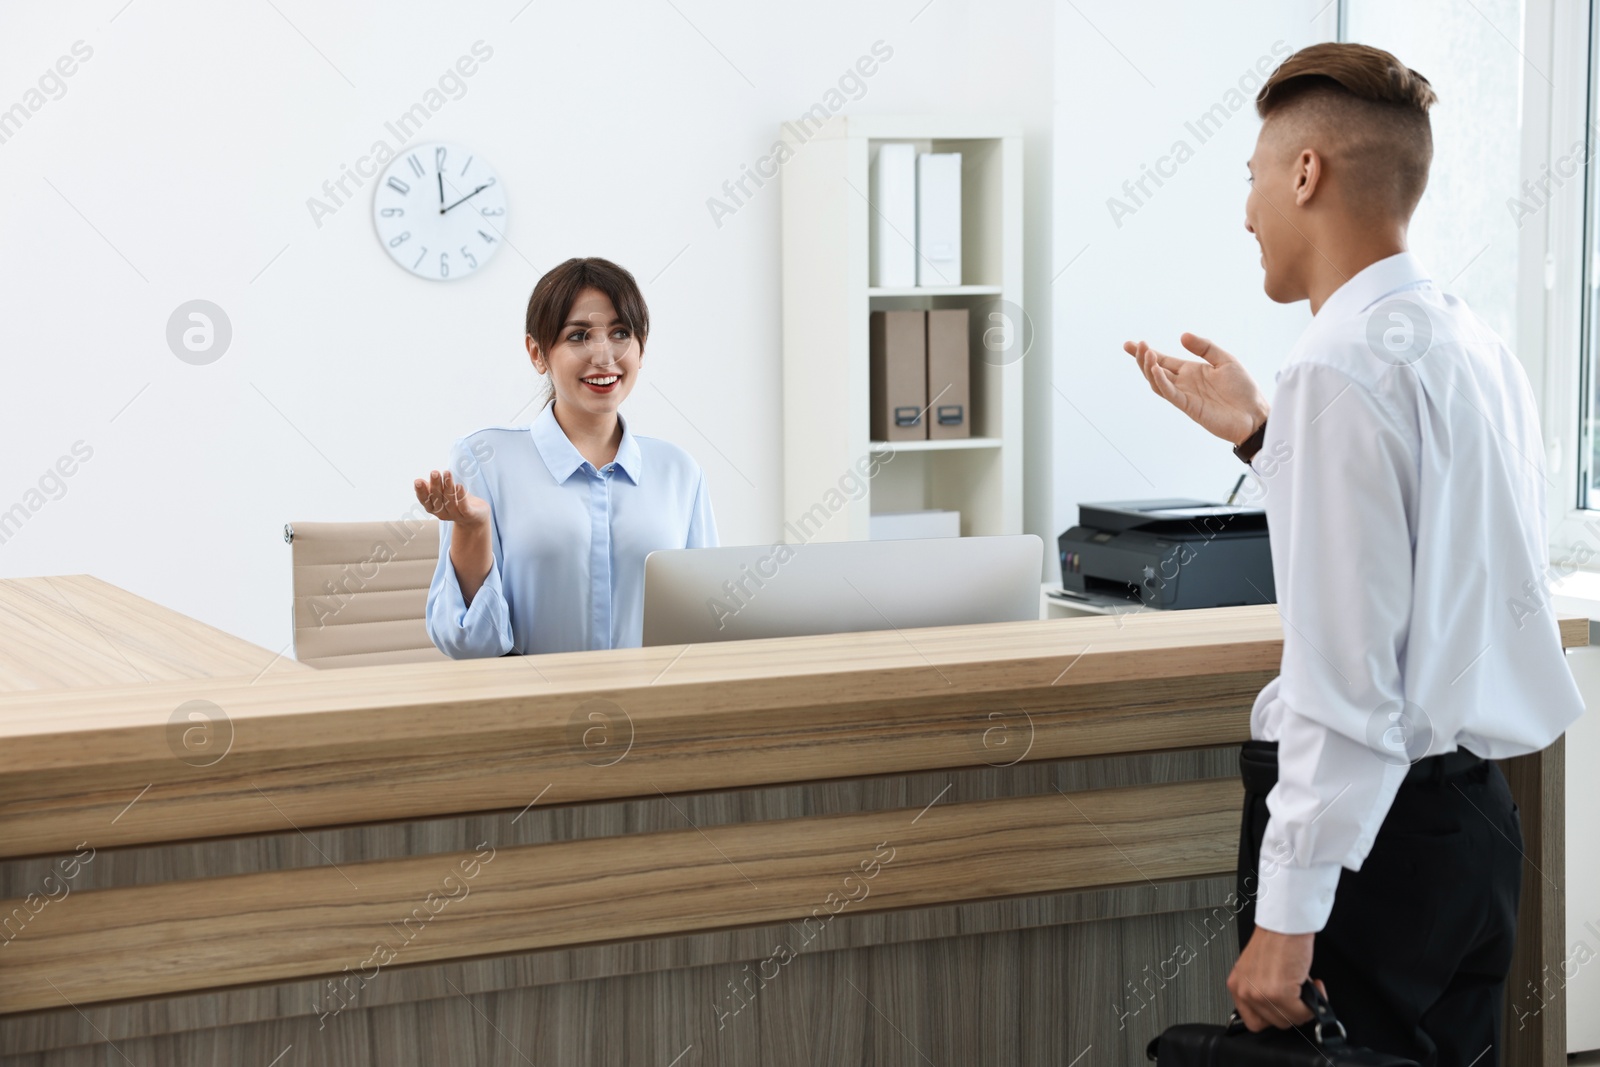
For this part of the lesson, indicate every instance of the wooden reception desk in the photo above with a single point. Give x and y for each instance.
(1002, 844)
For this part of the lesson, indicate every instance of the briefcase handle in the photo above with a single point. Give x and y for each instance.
(1322, 1042)
(1327, 1030)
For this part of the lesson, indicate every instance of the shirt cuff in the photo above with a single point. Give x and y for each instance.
(473, 629)
(1296, 900)
(486, 601)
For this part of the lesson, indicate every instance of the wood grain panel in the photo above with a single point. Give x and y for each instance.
(1003, 999)
(543, 824)
(548, 948)
(424, 702)
(67, 1027)
(382, 743)
(75, 630)
(1145, 975)
(691, 750)
(1047, 992)
(1537, 978)
(254, 928)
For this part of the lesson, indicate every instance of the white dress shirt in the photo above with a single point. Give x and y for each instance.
(569, 540)
(1405, 492)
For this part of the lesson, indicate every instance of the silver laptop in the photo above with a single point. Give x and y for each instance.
(694, 595)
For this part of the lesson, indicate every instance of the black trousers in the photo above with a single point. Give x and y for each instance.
(1416, 950)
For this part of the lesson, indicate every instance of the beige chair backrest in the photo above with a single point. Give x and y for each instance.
(361, 591)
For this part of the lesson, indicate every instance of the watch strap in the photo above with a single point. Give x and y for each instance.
(1246, 450)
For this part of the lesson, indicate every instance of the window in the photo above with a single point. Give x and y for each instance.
(1472, 53)
(1509, 221)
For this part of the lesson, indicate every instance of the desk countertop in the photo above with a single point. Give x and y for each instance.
(400, 741)
(74, 630)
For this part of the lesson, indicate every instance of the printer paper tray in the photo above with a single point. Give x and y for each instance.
(1098, 603)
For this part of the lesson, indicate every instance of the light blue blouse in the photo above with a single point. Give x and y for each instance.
(569, 540)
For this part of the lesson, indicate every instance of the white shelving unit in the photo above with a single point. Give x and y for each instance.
(827, 301)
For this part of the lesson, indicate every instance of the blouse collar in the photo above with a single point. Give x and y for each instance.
(563, 460)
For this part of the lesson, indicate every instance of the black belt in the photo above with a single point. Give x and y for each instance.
(1258, 766)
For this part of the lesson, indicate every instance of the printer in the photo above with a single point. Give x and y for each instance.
(1166, 554)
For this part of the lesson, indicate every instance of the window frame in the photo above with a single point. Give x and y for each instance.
(1553, 319)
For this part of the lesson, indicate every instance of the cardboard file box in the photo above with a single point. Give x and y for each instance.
(949, 389)
(899, 376)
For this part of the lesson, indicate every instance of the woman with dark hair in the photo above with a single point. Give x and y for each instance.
(544, 528)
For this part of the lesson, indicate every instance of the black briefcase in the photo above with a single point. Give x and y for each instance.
(1318, 1043)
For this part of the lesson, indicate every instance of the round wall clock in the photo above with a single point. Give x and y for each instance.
(439, 211)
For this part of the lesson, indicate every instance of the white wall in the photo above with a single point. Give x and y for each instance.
(1182, 260)
(177, 164)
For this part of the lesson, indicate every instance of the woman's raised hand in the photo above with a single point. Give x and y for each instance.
(449, 501)
(1218, 393)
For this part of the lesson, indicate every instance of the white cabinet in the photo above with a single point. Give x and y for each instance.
(833, 471)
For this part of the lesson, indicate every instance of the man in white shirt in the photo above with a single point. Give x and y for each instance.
(1402, 471)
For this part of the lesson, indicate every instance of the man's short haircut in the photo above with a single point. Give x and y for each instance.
(1371, 113)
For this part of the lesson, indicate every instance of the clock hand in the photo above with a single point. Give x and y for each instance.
(464, 199)
(440, 176)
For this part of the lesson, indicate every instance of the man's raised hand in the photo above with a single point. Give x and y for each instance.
(1215, 391)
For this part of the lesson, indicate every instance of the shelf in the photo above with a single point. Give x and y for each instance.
(935, 446)
(1057, 603)
(826, 249)
(936, 290)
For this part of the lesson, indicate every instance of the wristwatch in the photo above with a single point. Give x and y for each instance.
(1246, 450)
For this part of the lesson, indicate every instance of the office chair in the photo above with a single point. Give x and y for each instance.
(361, 591)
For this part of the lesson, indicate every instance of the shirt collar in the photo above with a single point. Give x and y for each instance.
(562, 459)
(1372, 283)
